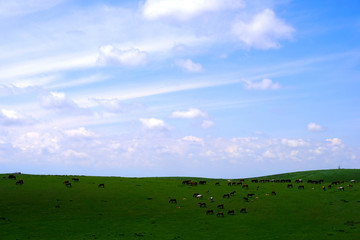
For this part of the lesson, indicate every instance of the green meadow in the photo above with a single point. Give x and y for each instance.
(43, 207)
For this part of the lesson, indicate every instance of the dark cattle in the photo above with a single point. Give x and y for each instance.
(243, 210)
(329, 186)
(11, 176)
(75, 179)
(193, 183)
(101, 185)
(251, 194)
(68, 184)
(202, 182)
(229, 183)
(341, 188)
(232, 193)
(323, 188)
(290, 186)
(217, 184)
(233, 183)
(301, 187)
(242, 180)
(254, 181)
(273, 193)
(226, 196)
(239, 183)
(20, 182)
(246, 199)
(65, 182)
(298, 181)
(245, 186)
(220, 206)
(202, 204)
(209, 212)
(173, 200)
(195, 195)
(220, 214)
(186, 182)
(349, 186)
(231, 212)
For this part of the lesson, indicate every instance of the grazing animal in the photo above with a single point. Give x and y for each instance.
(202, 182)
(195, 194)
(173, 200)
(11, 176)
(217, 184)
(202, 204)
(220, 214)
(232, 193)
(68, 184)
(298, 181)
(199, 196)
(341, 188)
(246, 199)
(220, 206)
(324, 188)
(65, 182)
(226, 195)
(245, 186)
(20, 182)
(211, 199)
(243, 210)
(209, 212)
(101, 185)
(290, 186)
(352, 181)
(186, 182)
(75, 179)
(273, 193)
(254, 181)
(231, 212)
(301, 187)
(349, 186)
(251, 194)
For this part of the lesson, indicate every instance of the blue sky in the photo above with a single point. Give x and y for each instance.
(229, 88)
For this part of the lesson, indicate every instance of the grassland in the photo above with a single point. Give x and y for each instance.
(138, 208)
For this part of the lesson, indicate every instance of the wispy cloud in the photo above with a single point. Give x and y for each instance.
(191, 113)
(313, 127)
(186, 9)
(263, 31)
(262, 85)
(110, 55)
(189, 65)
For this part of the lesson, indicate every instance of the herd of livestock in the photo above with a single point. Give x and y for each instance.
(249, 197)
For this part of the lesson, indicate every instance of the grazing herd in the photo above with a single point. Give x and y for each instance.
(249, 197)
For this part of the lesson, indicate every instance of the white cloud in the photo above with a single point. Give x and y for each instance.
(262, 85)
(11, 117)
(152, 123)
(207, 124)
(80, 132)
(37, 142)
(294, 142)
(193, 139)
(313, 127)
(334, 141)
(110, 55)
(22, 7)
(186, 9)
(191, 113)
(71, 153)
(189, 65)
(115, 105)
(263, 31)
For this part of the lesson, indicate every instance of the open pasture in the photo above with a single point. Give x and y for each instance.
(47, 207)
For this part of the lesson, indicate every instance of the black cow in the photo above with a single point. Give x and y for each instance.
(101, 185)
(20, 182)
(173, 200)
(209, 212)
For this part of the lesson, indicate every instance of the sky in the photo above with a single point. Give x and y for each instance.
(215, 88)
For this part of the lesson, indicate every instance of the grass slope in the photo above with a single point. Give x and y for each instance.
(138, 208)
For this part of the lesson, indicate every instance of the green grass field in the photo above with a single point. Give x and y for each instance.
(138, 208)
